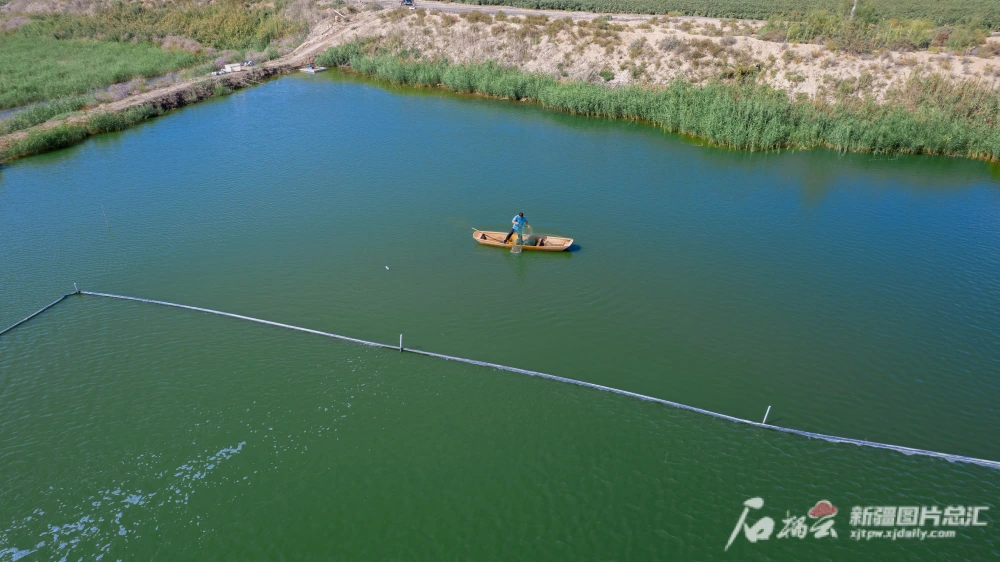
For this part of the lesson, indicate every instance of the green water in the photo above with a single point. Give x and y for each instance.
(855, 295)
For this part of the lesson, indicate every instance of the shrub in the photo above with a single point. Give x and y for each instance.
(340, 55)
(475, 16)
(636, 47)
(795, 77)
(606, 74)
(965, 36)
(773, 30)
(533, 19)
(559, 25)
(672, 44)
(990, 49)
(396, 14)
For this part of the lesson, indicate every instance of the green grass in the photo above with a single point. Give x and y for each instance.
(45, 140)
(42, 112)
(107, 122)
(42, 140)
(68, 134)
(928, 116)
(940, 12)
(41, 68)
(867, 31)
(223, 24)
(57, 55)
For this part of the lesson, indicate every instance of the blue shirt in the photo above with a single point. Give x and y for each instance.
(518, 222)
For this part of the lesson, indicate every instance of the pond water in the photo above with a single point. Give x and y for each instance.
(855, 295)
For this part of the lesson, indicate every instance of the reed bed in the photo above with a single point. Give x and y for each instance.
(68, 134)
(109, 122)
(45, 140)
(739, 115)
(42, 112)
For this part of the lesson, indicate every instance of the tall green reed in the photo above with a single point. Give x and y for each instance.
(42, 112)
(738, 115)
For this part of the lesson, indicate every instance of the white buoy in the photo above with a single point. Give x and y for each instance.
(387, 267)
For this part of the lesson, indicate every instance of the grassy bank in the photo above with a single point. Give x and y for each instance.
(940, 12)
(42, 112)
(42, 68)
(42, 139)
(928, 116)
(61, 136)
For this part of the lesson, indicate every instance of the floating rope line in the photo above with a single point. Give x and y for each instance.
(41, 310)
(828, 438)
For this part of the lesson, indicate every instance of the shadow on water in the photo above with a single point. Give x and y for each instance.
(564, 255)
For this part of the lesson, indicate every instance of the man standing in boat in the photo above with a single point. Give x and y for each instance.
(517, 223)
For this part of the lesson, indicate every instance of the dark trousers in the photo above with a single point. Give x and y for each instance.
(511, 233)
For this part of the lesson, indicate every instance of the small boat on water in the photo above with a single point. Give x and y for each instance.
(530, 242)
(312, 69)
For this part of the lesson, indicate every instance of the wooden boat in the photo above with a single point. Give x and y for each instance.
(530, 242)
(313, 70)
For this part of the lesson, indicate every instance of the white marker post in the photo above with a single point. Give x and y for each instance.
(401, 342)
(765, 414)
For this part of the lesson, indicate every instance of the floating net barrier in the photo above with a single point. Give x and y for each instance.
(761, 425)
(41, 310)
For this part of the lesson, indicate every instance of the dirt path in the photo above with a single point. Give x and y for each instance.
(330, 32)
(456, 8)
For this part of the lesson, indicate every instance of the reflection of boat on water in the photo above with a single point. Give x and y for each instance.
(530, 242)
(312, 69)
